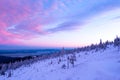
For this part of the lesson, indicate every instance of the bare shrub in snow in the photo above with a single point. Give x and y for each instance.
(63, 66)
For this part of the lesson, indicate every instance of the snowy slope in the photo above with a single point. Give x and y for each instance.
(101, 65)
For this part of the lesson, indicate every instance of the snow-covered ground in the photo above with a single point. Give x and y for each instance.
(101, 65)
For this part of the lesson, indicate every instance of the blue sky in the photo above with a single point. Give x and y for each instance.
(58, 23)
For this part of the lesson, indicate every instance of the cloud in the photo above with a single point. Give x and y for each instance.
(117, 17)
(83, 13)
(26, 17)
(66, 26)
(22, 19)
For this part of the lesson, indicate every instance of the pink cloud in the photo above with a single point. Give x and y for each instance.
(23, 19)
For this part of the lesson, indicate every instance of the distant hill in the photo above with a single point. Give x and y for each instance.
(6, 59)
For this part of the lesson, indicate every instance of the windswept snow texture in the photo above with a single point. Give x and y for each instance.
(101, 65)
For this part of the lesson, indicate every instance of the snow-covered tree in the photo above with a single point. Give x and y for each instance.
(117, 43)
(68, 61)
(3, 69)
(72, 59)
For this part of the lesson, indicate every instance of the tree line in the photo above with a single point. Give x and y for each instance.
(71, 59)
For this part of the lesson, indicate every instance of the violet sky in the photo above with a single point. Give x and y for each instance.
(58, 23)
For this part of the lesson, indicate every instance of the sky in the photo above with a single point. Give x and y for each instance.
(58, 23)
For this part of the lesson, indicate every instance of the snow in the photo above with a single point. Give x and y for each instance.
(101, 65)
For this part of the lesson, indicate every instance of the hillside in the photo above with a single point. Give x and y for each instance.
(92, 65)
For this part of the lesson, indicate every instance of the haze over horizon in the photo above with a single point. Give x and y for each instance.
(58, 23)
